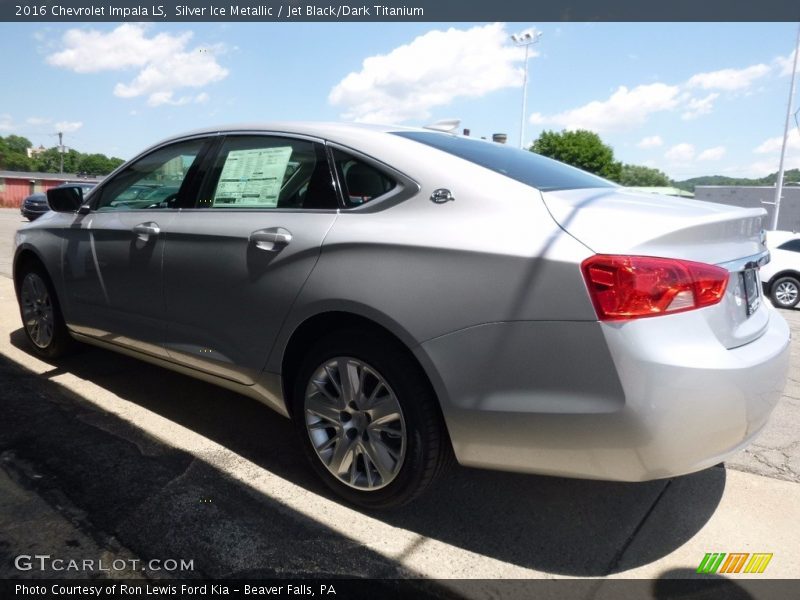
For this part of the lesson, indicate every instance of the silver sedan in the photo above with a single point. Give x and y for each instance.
(409, 296)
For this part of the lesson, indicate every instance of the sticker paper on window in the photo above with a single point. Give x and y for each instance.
(252, 178)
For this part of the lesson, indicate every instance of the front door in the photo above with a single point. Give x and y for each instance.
(113, 254)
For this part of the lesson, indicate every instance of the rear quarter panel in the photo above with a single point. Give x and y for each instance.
(423, 269)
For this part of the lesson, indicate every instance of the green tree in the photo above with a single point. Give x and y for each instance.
(11, 157)
(17, 143)
(98, 164)
(94, 164)
(49, 161)
(580, 148)
(71, 160)
(639, 176)
(14, 157)
(14, 161)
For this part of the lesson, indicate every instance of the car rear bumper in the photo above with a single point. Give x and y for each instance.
(603, 401)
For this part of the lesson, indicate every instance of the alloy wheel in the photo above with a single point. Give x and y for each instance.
(355, 423)
(37, 310)
(786, 293)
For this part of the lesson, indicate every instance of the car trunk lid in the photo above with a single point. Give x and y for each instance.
(617, 221)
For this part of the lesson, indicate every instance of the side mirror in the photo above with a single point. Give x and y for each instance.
(65, 199)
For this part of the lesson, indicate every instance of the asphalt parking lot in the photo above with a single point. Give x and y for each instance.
(102, 456)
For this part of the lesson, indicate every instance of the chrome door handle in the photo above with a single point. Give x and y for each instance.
(145, 230)
(272, 239)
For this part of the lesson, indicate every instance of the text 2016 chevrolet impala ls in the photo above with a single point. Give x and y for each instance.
(404, 295)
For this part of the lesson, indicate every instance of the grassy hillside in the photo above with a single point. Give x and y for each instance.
(790, 176)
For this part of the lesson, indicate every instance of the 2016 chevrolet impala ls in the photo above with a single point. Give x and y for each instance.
(406, 295)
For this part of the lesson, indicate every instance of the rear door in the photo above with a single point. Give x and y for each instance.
(112, 255)
(234, 264)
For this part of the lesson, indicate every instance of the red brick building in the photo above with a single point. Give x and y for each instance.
(15, 186)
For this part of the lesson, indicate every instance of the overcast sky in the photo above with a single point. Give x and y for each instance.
(689, 99)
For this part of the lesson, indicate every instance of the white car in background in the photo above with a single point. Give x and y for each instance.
(781, 276)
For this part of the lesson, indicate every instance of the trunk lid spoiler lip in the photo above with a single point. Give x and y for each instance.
(615, 221)
(748, 262)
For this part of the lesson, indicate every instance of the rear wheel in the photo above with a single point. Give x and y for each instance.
(368, 419)
(41, 314)
(785, 292)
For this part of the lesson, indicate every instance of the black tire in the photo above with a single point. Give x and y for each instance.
(427, 445)
(785, 292)
(58, 341)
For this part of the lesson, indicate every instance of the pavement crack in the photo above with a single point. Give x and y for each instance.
(780, 468)
(113, 425)
(157, 492)
(615, 561)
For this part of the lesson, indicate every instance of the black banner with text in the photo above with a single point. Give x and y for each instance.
(394, 10)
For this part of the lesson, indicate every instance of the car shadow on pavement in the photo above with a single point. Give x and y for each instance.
(687, 584)
(550, 524)
(127, 491)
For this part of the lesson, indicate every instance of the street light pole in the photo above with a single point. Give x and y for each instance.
(526, 39)
(779, 182)
(61, 149)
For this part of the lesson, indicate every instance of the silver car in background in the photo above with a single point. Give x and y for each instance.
(407, 296)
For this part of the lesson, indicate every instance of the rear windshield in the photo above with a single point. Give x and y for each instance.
(524, 166)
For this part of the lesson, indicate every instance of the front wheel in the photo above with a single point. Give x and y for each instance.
(786, 292)
(41, 314)
(368, 419)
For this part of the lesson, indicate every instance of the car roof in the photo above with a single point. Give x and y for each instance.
(311, 128)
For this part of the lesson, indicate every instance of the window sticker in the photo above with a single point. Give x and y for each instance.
(252, 178)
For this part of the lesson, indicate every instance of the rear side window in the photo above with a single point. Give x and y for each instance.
(361, 182)
(792, 245)
(265, 172)
(526, 167)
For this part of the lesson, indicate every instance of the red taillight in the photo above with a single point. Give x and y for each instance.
(630, 287)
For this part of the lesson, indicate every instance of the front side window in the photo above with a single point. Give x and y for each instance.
(154, 181)
(264, 172)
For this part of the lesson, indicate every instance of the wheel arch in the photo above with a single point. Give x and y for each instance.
(784, 273)
(323, 323)
(26, 255)
(26, 259)
(434, 447)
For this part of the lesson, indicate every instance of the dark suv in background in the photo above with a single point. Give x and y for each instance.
(35, 205)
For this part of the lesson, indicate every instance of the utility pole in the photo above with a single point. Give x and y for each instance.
(525, 39)
(779, 182)
(61, 149)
